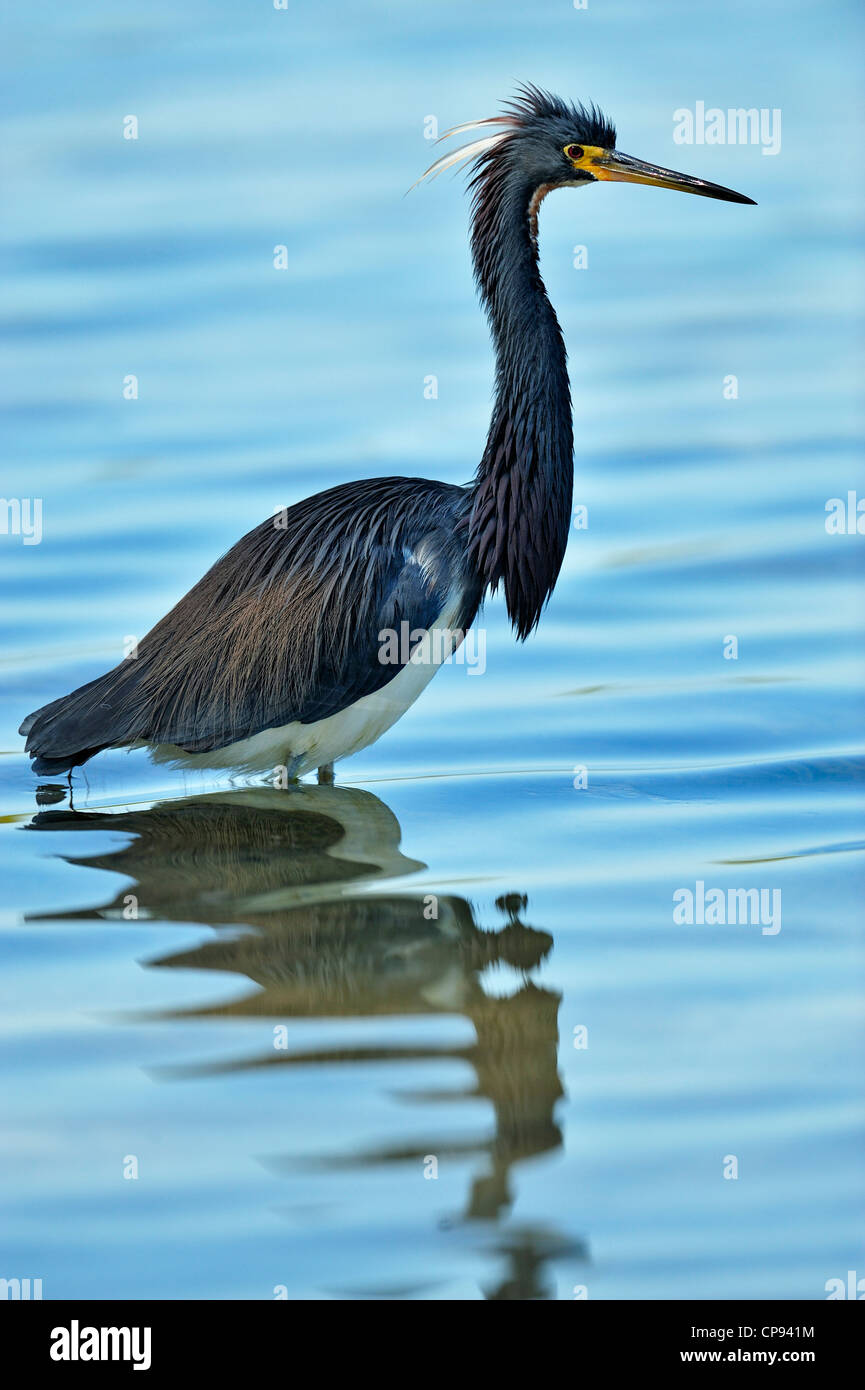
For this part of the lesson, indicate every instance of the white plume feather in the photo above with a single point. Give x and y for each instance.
(474, 125)
(475, 147)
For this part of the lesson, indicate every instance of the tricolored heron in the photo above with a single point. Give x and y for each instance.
(276, 657)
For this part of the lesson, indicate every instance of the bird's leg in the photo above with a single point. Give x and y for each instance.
(325, 775)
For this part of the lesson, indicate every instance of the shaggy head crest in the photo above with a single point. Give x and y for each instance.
(535, 115)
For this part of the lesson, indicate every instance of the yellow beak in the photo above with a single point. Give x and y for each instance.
(615, 167)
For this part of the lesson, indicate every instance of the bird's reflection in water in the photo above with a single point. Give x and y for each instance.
(293, 868)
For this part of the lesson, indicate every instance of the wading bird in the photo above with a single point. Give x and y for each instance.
(276, 658)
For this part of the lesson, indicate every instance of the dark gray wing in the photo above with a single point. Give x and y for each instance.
(284, 627)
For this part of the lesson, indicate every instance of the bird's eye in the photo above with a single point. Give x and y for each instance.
(574, 152)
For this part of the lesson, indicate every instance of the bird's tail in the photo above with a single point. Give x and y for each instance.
(68, 731)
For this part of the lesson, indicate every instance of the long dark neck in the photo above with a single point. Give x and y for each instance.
(524, 485)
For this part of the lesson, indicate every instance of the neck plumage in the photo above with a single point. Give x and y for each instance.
(522, 494)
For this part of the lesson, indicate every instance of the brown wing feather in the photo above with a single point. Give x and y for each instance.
(284, 627)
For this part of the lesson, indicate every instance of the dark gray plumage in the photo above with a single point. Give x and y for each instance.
(283, 633)
(283, 628)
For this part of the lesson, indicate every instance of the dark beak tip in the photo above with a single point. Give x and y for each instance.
(727, 195)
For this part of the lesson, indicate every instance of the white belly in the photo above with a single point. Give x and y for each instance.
(301, 747)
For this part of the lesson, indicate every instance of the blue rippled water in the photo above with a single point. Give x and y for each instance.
(284, 1041)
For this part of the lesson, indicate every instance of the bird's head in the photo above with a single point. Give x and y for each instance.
(544, 143)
